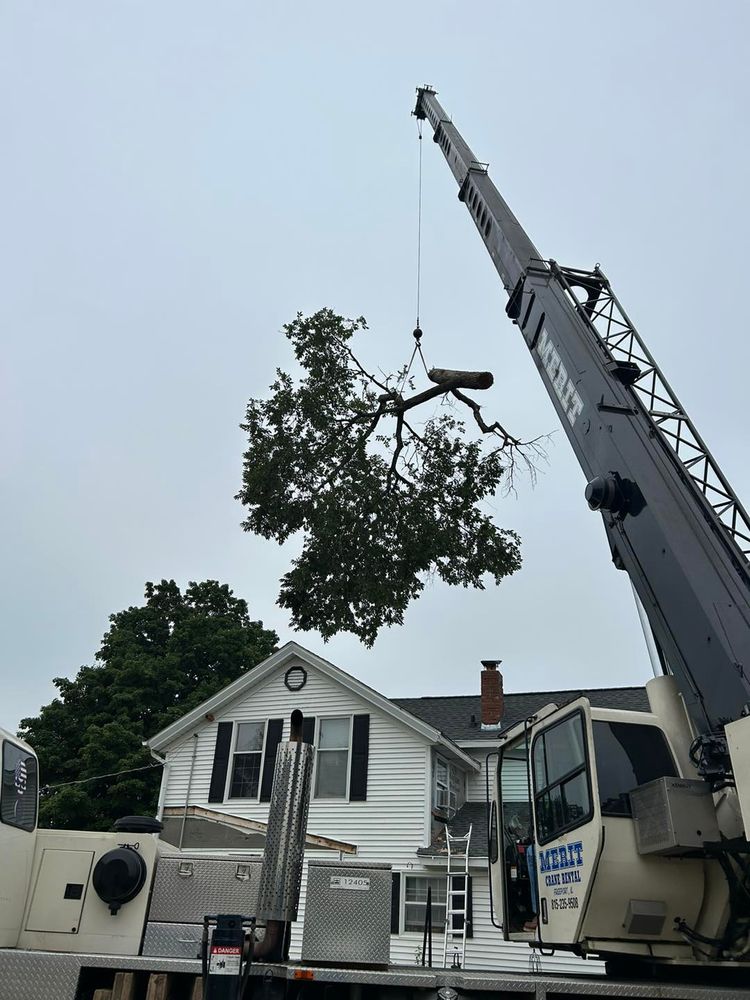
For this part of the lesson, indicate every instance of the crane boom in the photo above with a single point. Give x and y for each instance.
(672, 520)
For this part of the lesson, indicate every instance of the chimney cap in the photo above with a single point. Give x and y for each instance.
(490, 664)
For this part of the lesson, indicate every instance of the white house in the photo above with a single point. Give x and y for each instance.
(384, 769)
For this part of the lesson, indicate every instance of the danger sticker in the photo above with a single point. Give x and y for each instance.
(350, 882)
(225, 960)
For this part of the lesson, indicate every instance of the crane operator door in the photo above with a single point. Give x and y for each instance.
(545, 828)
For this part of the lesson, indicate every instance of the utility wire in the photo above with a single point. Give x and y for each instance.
(97, 777)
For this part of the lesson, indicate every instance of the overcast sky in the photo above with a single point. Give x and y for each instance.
(180, 178)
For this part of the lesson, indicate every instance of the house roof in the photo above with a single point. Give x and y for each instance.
(472, 814)
(449, 721)
(277, 661)
(453, 714)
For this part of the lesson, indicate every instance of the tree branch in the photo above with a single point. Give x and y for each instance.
(362, 370)
(494, 428)
(393, 471)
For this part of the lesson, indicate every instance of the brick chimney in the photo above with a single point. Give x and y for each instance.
(493, 701)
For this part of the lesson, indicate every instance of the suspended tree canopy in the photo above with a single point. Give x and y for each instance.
(384, 491)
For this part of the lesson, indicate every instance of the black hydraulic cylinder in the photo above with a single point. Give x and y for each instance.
(224, 957)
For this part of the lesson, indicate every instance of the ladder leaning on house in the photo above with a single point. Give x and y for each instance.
(456, 898)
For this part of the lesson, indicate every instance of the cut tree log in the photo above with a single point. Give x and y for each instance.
(459, 379)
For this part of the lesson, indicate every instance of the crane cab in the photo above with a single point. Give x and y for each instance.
(19, 792)
(566, 867)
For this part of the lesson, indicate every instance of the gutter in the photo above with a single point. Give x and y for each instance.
(456, 750)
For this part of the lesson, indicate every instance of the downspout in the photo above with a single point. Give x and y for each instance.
(187, 793)
(163, 787)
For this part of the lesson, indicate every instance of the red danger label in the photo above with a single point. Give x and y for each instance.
(226, 960)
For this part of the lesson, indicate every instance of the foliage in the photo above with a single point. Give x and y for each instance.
(381, 505)
(156, 662)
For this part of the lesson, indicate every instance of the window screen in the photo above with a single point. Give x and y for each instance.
(20, 784)
(628, 755)
(248, 753)
(562, 799)
(415, 901)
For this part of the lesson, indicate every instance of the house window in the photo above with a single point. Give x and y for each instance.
(415, 901)
(442, 784)
(332, 758)
(246, 763)
(449, 792)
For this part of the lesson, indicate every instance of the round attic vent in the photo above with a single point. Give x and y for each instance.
(295, 678)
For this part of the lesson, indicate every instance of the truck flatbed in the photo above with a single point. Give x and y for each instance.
(38, 975)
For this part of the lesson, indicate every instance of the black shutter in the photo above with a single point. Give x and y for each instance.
(469, 909)
(274, 730)
(308, 729)
(221, 762)
(360, 754)
(396, 903)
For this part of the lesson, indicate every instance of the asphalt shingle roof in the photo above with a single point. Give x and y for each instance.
(472, 814)
(453, 714)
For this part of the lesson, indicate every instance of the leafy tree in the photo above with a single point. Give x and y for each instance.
(156, 662)
(381, 503)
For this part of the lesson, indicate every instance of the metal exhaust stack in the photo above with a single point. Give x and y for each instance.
(281, 873)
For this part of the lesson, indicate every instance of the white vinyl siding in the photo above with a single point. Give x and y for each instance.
(516, 782)
(475, 786)
(390, 826)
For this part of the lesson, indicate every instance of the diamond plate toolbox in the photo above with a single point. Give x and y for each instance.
(347, 913)
(188, 887)
(172, 940)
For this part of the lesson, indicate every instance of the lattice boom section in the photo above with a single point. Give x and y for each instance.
(596, 303)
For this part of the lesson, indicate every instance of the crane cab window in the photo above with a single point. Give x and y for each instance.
(562, 797)
(628, 755)
(18, 792)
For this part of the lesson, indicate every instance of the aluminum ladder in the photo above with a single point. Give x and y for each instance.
(456, 898)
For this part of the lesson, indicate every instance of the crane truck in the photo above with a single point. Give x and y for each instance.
(636, 841)
(638, 822)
